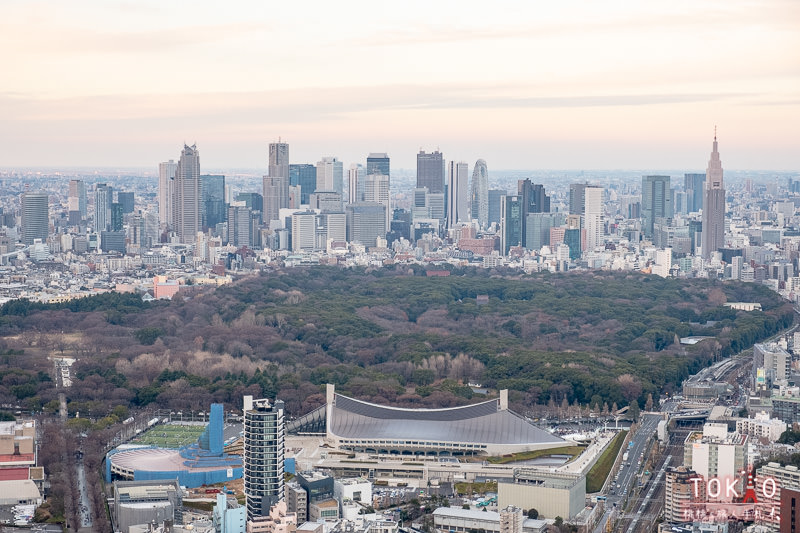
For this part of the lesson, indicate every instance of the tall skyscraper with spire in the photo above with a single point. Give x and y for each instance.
(186, 198)
(713, 237)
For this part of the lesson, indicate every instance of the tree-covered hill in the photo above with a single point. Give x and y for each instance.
(586, 338)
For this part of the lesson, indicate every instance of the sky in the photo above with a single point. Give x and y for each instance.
(522, 84)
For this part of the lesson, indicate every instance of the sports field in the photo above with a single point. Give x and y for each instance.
(170, 435)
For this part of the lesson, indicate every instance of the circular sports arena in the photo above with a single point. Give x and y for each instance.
(201, 463)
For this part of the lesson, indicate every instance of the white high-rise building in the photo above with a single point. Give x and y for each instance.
(186, 198)
(103, 197)
(457, 193)
(35, 217)
(593, 216)
(330, 175)
(376, 189)
(166, 188)
(355, 183)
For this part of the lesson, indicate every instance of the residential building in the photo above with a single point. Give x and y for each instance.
(772, 481)
(263, 452)
(761, 426)
(715, 453)
(679, 494)
(166, 189)
(228, 516)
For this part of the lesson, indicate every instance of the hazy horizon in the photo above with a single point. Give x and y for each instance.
(578, 85)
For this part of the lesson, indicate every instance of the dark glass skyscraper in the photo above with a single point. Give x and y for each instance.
(305, 176)
(534, 200)
(430, 171)
(262, 455)
(126, 199)
(511, 222)
(378, 164)
(694, 184)
(656, 202)
(212, 200)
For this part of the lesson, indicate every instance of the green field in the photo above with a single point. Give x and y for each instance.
(170, 435)
(572, 451)
(597, 475)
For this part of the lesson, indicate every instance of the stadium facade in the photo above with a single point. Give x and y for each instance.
(486, 428)
(202, 463)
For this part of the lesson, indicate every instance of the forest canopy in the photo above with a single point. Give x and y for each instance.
(386, 336)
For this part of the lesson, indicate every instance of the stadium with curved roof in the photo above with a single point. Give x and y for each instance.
(486, 428)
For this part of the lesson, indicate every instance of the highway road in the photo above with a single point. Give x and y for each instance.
(627, 473)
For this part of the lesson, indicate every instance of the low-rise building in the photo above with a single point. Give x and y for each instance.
(145, 502)
(761, 426)
(552, 494)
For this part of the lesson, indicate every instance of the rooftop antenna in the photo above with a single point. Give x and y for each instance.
(715, 132)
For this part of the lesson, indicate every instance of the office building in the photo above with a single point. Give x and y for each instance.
(35, 217)
(771, 366)
(253, 200)
(304, 176)
(577, 198)
(494, 205)
(330, 175)
(77, 201)
(355, 183)
(593, 216)
(166, 189)
(378, 163)
(274, 189)
(713, 237)
(656, 202)
(536, 229)
(212, 200)
(366, 222)
(430, 171)
(510, 222)
(279, 160)
(240, 226)
(534, 200)
(186, 195)
(325, 201)
(126, 200)
(693, 186)
(263, 452)
(376, 190)
(457, 193)
(103, 198)
(117, 217)
(715, 453)
(572, 238)
(312, 231)
(481, 197)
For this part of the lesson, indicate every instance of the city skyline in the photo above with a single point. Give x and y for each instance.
(584, 86)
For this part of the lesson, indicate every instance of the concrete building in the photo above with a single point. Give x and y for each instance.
(775, 363)
(279, 160)
(144, 502)
(263, 452)
(656, 202)
(552, 494)
(276, 197)
(354, 489)
(715, 453)
(772, 480)
(761, 426)
(77, 201)
(297, 501)
(304, 176)
(679, 494)
(376, 190)
(228, 516)
(355, 183)
(366, 222)
(457, 520)
(511, 519)
(279, 520)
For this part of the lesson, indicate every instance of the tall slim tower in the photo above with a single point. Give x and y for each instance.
(430, 171)
(534, 200)
(263, 451)
(166, 189)
(77, 198)
(355, 183)
(186, 198)
(479, 194)
(713, 205)
(457, 193)
(103, 198)
(35, 217)
(593, 216)
(279, 168)
(274, 187)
